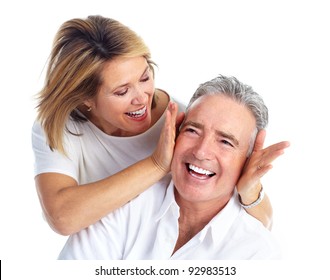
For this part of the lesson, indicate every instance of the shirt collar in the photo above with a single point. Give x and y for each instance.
(218, 226)
(221, 223)
(168, 201)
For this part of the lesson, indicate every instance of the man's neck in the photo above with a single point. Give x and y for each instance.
(194, 217)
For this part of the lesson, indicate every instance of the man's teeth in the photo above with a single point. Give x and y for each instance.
(200, 170)
(138, 113)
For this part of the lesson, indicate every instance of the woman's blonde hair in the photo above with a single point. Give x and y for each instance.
(80, 50)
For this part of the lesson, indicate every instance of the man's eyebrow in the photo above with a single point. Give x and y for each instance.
(228, 136)
(194, 124)
(221, 133)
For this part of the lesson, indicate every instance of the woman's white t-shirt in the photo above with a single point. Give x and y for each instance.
(93, 155)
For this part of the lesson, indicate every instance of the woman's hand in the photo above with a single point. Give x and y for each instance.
(257, 165)
(162, 156)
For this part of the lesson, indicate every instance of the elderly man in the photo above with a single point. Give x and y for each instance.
(199, 214)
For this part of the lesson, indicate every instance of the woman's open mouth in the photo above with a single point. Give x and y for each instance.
(139, 114)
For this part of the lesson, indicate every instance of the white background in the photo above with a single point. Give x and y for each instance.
(281, 48)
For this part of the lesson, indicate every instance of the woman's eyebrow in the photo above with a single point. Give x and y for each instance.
(145, 70)
(125, 84)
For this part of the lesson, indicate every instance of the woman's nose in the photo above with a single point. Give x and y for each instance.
(139, 97)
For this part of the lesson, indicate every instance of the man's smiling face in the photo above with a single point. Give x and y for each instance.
(211, 149)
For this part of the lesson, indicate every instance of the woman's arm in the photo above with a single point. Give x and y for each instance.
(249, 185)
(70, 207)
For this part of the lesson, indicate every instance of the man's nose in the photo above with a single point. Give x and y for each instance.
(204, 149)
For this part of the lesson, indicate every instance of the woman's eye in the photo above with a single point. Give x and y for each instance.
(121, 93)
(145, 79)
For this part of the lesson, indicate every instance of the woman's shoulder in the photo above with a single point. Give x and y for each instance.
(182, 106)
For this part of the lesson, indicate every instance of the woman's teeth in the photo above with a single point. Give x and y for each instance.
(200, 170)
(137, 113)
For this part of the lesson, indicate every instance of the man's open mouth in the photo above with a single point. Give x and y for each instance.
(199, 172)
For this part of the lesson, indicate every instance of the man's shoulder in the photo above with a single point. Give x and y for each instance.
(254, 231)
(149, 201)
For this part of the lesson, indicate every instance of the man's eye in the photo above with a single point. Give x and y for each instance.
(191, 130)
(227, 143)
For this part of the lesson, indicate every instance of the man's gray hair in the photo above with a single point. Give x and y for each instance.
(239, 92)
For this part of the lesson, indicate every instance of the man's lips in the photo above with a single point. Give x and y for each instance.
(199, 172)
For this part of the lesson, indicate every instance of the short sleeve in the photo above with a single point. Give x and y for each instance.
(46, 160)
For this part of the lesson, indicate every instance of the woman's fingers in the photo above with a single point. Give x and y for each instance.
(258, 164)
(268, 155)
(165, 147)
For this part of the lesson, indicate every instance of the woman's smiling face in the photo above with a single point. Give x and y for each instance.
(122, 106)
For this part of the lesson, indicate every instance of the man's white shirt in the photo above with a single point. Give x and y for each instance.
(147, 228)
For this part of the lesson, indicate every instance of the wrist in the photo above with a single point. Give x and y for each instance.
(249, 193)
(253, 203)
(158, 166)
